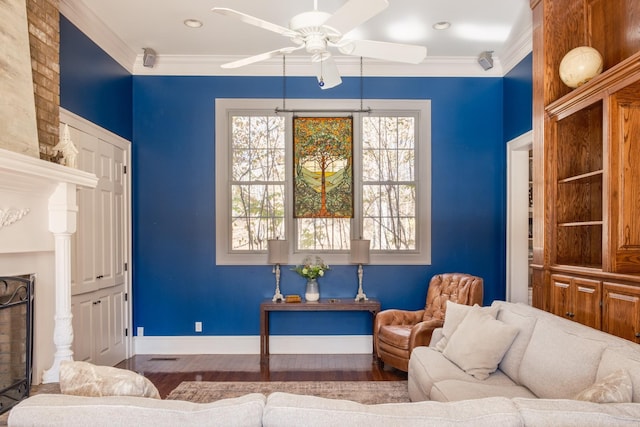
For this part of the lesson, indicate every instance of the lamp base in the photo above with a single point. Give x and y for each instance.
(277, 297)
(361, 295)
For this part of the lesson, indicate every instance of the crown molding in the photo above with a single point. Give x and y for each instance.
(93, 27)
(299, 65)
(519, 47)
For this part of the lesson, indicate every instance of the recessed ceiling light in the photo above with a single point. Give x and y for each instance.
(193, 23)
(442, 25)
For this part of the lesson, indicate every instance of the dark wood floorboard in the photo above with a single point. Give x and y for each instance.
(167, 372)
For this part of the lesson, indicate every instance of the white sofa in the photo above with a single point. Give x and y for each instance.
(550, 358)
(549, 361)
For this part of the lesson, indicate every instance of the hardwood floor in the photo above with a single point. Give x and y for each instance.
(166, 372)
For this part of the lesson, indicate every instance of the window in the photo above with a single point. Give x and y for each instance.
(391, 183)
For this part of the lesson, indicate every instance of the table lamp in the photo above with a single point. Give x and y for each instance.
(278, 253)
(360, 255)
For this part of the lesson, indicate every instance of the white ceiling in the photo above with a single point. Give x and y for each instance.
(476, 26)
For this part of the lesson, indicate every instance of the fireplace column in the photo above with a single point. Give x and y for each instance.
(62, 223)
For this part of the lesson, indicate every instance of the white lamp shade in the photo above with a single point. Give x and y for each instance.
(360, 251)
(278, 251)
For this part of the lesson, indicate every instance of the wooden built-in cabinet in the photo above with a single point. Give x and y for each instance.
(586, 184)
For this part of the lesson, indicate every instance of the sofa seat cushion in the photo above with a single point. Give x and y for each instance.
(559, 364)
(575, 413)
(59, 410)
(453, 390)
(285, 409)
(428, 366)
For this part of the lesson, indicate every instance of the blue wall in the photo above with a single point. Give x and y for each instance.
(175, 279)
(92, 84)
(518, 100)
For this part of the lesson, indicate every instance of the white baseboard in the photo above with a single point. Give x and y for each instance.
(280, 344)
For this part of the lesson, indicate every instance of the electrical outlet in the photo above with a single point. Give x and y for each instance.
(198, 326)
(140, 331)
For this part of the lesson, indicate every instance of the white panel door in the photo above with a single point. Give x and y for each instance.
(81, 309)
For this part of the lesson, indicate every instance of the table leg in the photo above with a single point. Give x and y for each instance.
(264, 333)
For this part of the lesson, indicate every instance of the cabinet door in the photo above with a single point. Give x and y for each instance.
(621, 311)
(561, 304)
(81, 309)
(624, 222)
(105, 215)
(587, 295)
(116, 320)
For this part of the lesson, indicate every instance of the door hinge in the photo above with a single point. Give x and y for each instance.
(124, 169)
(126, 266)
(126, 332)
(126, 296)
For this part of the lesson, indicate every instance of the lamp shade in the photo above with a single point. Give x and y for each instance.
(278, 251)
(360, 251)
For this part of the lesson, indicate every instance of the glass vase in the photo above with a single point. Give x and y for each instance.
(312, 293)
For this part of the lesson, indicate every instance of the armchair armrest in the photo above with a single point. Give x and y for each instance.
(421, 333)
(394, 317)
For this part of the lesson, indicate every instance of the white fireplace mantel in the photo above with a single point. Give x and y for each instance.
(40, 198)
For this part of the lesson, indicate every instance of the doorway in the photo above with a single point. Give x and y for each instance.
(519, 218)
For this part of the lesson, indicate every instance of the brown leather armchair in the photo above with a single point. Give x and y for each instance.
(397, 332)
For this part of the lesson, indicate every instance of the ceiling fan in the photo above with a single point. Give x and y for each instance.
(317, 31)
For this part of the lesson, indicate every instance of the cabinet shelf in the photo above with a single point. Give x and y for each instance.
(582, 177)
(579, 223)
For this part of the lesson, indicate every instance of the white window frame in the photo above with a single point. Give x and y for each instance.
(223, 106)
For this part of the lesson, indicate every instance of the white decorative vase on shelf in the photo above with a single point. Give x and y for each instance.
(312, 292)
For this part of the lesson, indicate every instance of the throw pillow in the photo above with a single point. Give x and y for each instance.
(454, 315)
(614, 388)
(479, 343)
(86, 379)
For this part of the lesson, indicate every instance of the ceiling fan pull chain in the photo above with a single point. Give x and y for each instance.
(284, 82)
(321, 81)
(361, 85)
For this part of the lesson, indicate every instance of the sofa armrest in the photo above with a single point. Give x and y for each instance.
(421, 333)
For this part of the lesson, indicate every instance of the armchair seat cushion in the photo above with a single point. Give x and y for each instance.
(395, 335)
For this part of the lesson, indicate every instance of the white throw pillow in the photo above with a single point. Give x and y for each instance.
(479, 343)
(614, 388)
(454, 315)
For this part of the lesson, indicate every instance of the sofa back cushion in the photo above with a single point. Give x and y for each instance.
(623, 356)
(559, 364)
(547, 412)
(291, 410)
(71, 411)
(515, 315)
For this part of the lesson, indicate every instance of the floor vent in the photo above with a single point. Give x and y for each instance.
(163, 359)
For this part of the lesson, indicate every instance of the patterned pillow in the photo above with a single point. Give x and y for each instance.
(614, 388)
(85, 379)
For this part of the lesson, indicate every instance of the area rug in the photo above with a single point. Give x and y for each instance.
(369, 392)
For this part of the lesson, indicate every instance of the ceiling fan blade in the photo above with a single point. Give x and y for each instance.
(354, 13)
(252, 20)
(327, 73)
(260, 57)
(412, 54)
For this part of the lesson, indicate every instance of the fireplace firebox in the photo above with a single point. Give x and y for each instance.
(16, 339)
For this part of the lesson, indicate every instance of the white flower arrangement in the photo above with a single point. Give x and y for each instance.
(312, 267)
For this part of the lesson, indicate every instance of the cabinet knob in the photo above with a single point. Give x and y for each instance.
(97, 302)
(100, 276)
(637, 334)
